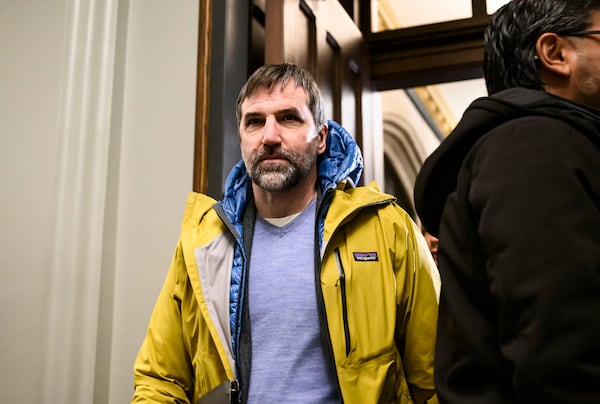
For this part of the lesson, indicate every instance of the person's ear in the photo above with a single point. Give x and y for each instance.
(555, 53)
(322, 135)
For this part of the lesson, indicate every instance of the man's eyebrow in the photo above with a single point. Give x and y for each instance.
(251, 114)
(284, 111)
(291, 110)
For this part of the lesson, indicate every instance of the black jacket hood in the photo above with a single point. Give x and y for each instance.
(438, 175)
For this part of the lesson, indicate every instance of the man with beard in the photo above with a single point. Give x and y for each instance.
(297, 286)
(513, 194)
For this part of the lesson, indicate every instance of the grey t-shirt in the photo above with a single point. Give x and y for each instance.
(288, 359)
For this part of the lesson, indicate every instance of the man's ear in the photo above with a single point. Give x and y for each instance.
(555, 53)
(323, 138)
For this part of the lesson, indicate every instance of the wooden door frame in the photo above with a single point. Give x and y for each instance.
(401, 58)
(426, 54)
(222, 69)
(202, 98)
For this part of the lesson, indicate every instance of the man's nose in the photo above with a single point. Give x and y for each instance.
(271, 132)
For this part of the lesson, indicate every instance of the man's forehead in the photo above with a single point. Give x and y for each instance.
(291, 96)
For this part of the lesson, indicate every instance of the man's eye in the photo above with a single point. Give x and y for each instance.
(290, 118)
(253, 122)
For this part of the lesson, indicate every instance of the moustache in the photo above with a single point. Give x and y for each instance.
(265, 154)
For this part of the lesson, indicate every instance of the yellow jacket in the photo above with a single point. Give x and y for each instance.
(379, 288)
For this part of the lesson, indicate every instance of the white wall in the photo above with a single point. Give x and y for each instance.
(96, 143)
(31, 45)
(156, 167)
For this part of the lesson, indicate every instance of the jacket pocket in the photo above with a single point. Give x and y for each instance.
(342, 285)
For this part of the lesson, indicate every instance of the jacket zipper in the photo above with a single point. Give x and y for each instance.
(235, 390)
(325, 336)
(342, 283)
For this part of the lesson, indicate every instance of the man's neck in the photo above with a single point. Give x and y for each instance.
(281, 204)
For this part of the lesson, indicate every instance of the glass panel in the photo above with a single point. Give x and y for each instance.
(493, 5)
(459, 94)
(394, 14)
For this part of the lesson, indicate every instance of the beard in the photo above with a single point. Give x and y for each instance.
(587, 82)
(282, 175)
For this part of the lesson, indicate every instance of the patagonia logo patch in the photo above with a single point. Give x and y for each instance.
(365, 256)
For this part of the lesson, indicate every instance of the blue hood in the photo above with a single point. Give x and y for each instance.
(342, 159)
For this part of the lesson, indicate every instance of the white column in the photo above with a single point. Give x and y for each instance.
(85, 135)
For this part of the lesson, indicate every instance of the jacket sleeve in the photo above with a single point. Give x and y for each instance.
(418, 335)
(163, 371)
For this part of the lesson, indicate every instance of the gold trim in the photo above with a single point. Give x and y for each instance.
(437, 107)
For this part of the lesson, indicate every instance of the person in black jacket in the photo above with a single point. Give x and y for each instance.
(513, 194)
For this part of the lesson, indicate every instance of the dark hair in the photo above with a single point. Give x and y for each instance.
(269, 75)
(510, 38)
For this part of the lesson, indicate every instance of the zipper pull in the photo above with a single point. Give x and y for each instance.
(234, 394)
